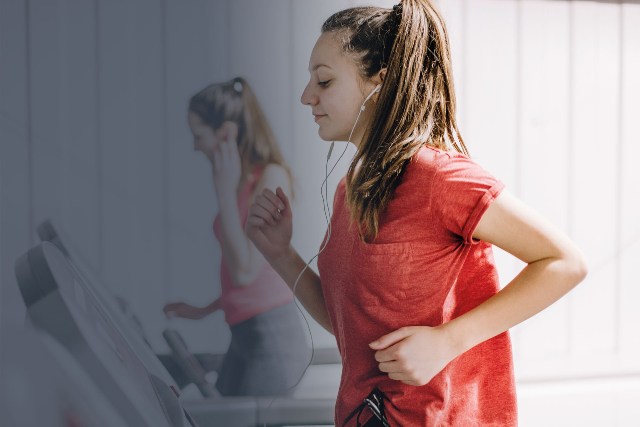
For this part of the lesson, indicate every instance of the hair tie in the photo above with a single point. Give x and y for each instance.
(237, 85)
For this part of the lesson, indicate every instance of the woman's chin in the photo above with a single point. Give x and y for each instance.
(329, 136)
(325, 138)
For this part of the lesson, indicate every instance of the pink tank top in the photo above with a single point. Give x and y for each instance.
(267, 291)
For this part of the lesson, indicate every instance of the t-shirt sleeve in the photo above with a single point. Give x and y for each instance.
(462, 191)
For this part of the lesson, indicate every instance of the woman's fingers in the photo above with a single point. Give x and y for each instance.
(264, 212)
(268, 208)
(171, 306)
(260, 209)
(256, 221)
(173, 309)
(169, 313)
(283, 197)
(275, 200)
(389, 367)
(399, 376)
(395, 371)
(271, 203)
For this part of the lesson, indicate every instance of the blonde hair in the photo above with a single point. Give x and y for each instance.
(235, 101)
(416, 106)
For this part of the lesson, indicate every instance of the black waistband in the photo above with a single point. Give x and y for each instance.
(375, 403)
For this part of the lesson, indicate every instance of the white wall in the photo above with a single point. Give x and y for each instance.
(93, 135)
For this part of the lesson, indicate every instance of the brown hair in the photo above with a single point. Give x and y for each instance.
(416, 105)
(235, 101)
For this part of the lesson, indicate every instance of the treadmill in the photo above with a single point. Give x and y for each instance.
(61, 303)
(228, 411)
(42, 384)
(179, 368)
(113, 307)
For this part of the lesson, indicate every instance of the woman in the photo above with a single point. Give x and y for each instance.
(408, 283)
(268, 350)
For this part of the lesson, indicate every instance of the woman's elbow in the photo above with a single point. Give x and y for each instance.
(243, 278)
(577, 268)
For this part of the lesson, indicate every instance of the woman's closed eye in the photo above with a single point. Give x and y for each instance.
(324, 83)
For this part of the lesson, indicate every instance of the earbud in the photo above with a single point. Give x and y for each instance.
(375, 90)
(330, 150)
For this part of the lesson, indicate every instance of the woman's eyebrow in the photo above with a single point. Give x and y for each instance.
(315, 67)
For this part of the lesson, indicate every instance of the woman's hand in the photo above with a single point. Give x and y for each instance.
(187, 311)
(269, 225)
(414, 354)
(226, 163)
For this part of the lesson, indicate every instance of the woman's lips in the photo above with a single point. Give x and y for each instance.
(318, 116)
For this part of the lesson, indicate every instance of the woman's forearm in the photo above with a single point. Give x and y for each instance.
(538, 285)
(244, 263)
(213, 306)
(308, 289)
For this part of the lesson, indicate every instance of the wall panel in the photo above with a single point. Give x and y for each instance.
(543, 147)
(79, 200)
(196, 53)
(15, 173)
(117, 123)
(148, 238)
(627, 186)
(595, 138)
(48, 100)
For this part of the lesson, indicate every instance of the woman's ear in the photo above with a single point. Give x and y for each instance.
(382, 74)
(378, 78)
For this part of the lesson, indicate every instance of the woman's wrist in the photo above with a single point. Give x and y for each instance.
(225, 192)
(459, 335)
(285, 258)
(223, 186)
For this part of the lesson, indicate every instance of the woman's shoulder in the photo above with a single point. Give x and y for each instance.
(431, 165)
(434, 157)
(428, 160)
(261, 169)
(434, 160)
(272, 175)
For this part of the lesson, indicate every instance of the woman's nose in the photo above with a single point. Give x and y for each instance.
(308, 97)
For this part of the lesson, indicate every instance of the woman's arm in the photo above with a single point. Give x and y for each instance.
(188, 311)
(416, 354)
(269, 227)
(554, 267)
(244, 260)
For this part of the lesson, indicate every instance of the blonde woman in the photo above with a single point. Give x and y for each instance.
(268, 350)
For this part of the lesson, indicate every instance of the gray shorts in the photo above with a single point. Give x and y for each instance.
(267, 356)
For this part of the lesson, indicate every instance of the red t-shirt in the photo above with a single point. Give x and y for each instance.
(424, 268)
(267, 291)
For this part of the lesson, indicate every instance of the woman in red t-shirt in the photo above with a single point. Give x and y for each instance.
(407, 280)
(268, 350)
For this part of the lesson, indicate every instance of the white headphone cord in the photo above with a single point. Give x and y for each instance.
(327, 213)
